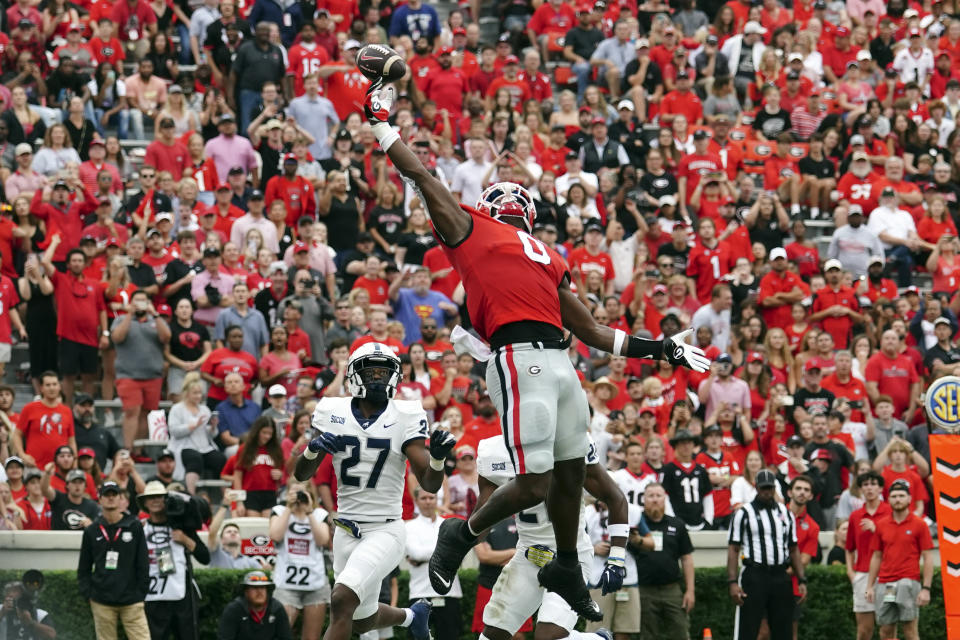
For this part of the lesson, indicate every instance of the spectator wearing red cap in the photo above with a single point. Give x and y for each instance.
(837, 55)
(662, 53)
(447, 85)
(942, 73)
(519, 91)
(902, 540)
(914, 63)
(891, 373)
(779, 290)
(836, 307)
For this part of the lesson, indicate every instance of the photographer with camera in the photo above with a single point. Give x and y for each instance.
(20, 619)
(171, 599)
(316, 311)
(139, 336)
(299, 531)
(113, 573)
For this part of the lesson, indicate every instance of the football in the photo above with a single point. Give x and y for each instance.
(380, 61)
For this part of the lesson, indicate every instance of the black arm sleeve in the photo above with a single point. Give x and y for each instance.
(200, 552)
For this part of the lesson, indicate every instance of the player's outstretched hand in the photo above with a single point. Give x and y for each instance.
(378, 102)
(326, 442)
(441, 444)
(678, 352)
(612, 577)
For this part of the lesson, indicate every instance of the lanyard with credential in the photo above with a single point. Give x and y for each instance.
(106, 536)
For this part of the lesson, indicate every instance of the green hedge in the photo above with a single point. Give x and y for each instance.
(828, 613)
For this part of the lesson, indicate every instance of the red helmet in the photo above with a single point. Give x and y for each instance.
(508, 199)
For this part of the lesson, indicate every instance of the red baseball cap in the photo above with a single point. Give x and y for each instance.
(755, 356)
(821, 454)
(86, 451)
(459, 31)
(841, 32)
(300, 246)
(659, 288)
(113, 242)
(164, 309)
(811, 364)
(445, 51)
(511, 59)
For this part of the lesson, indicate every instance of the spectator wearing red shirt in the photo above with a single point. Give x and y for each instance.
(861, 530)
(836, 307)
(422, 64)
(45, 425)
(892, 373)
(35, 506)
(539, 82)
(552, 19)
(730, 152)
(305, 58)
(803, 252)
(83, 330)
(166, 153)
(259, 468)
(229, 359)
(295, 191)
(64, 211)
(779, 290)
(877, 286)
(723, 470)
(137, 23)
(485, 424)
(662, 53)
(90, 169)
(781, 173)
(519, 91)
(709, 260)
(589, 257)
(808, 531)
(899, 461)
(444, 277)
(447, 86)
(696, 166)
(681, 101)
(843, 385)
(894, 583)
(371, 280)
(836, 56)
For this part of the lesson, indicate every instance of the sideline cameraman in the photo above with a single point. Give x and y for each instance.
(113, 571)
(20, 619)
(171, 600)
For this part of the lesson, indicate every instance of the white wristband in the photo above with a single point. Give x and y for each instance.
(386, 136)
(618, 530)
(309, 455)
(437, 464)
(619, 337)
(618, 553)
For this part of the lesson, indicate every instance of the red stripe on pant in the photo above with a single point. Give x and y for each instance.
(515, 409)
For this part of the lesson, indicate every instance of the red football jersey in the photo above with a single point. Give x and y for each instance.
(509, 275)
(864, 192)
(708, 266)
(725, 466)
(305, 59)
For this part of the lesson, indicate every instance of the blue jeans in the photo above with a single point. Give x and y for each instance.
(247, 101)
(184, 33)
(584, 73)
(121, 118)
(901, 259)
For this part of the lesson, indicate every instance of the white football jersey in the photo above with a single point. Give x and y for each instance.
(372, 468)
(299, 562)
(533, 524)
(160, 545)
(631, 485)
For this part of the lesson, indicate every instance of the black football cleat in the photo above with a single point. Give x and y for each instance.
(453, 544)
(567, 582)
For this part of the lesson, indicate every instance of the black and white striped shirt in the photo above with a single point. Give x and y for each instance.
(764, 535)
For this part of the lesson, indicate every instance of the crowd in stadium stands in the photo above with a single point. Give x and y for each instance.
(195, 211)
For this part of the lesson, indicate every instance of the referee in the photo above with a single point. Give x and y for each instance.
(765, 532)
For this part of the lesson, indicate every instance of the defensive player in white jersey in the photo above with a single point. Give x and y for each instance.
(517, 593)
(299, 531)
(371, 437)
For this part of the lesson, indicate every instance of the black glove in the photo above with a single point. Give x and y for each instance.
(441, 444)
(213, 295)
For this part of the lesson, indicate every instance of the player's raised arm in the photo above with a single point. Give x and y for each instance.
(675, 350)
(452, 224)
(427, 458)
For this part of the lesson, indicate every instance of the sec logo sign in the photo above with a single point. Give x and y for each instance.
(942, 402)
